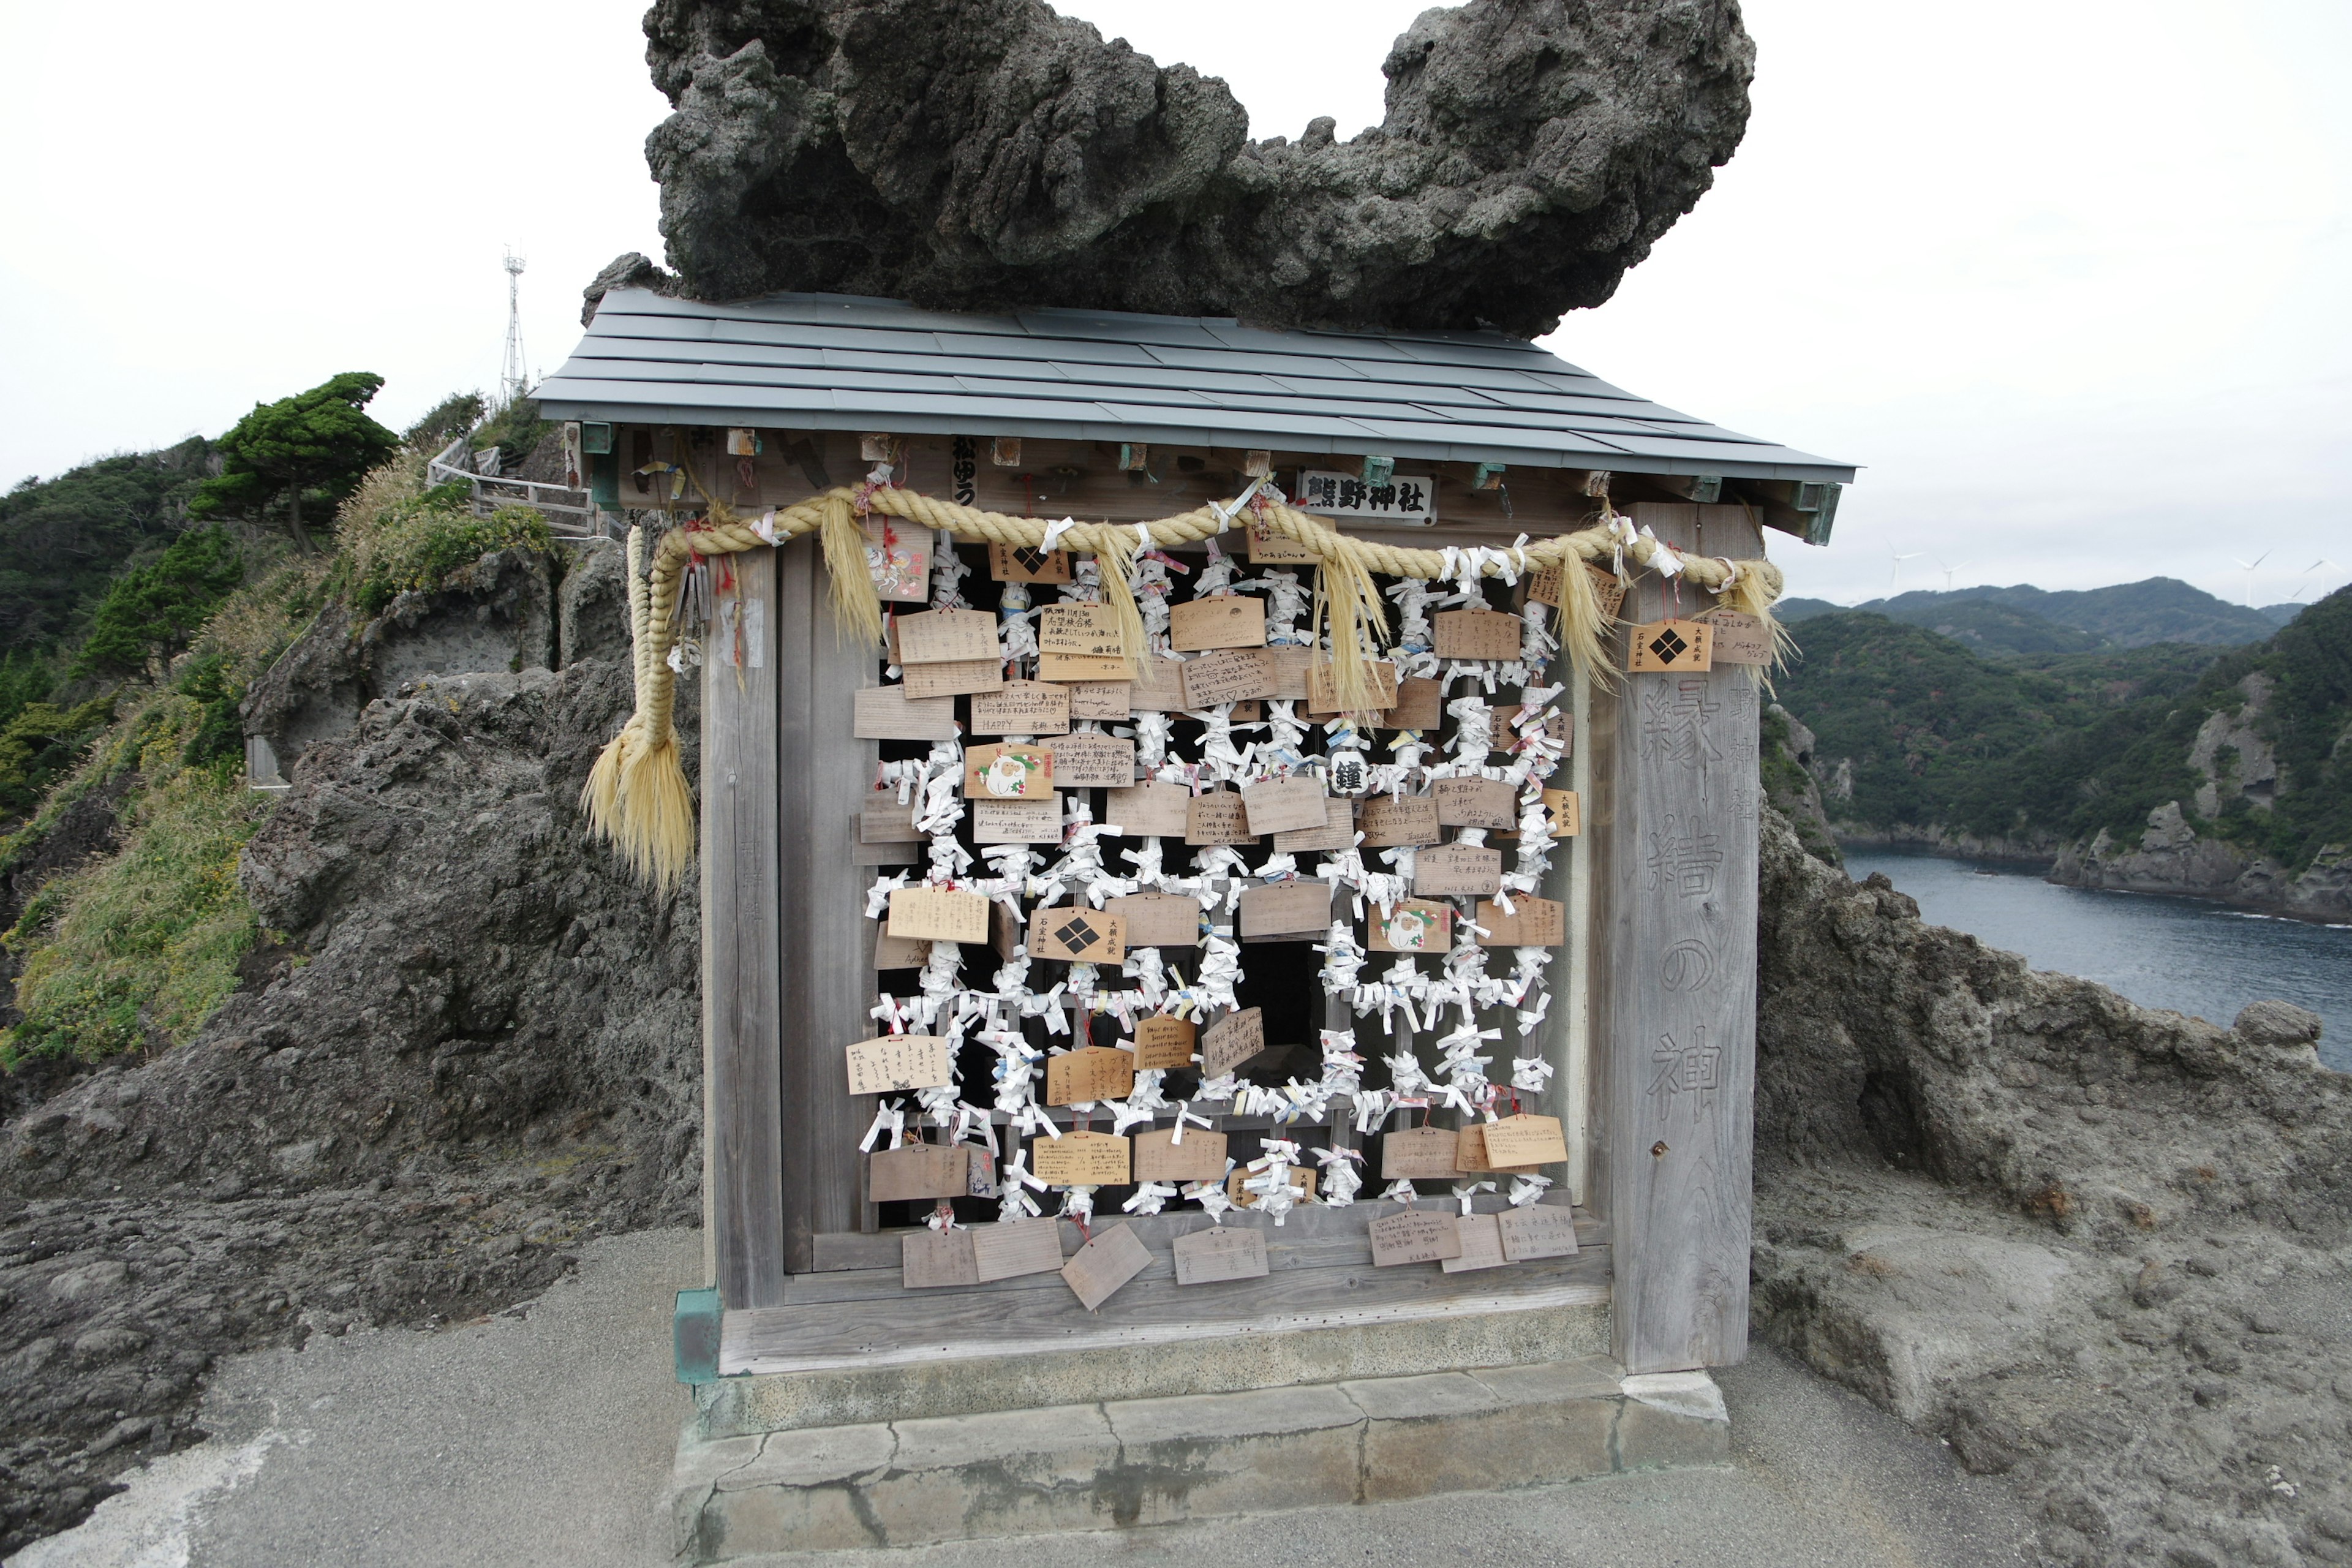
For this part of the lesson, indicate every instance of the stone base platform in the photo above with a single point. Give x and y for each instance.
(1125, 1463)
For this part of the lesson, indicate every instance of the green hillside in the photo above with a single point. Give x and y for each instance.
(2025, 620)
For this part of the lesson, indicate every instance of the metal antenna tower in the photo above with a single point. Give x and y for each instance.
(514, 375)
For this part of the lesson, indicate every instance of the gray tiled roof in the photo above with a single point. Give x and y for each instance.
(833, 362)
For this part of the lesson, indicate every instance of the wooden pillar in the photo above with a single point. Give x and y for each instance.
(1674, 830)
(741, 1011)
(823, 776)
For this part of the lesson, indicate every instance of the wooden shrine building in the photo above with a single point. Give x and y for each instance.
(1614, 997)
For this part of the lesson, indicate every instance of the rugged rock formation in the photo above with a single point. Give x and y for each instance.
(2101, 1247)
(984, 154)
(2171, 857)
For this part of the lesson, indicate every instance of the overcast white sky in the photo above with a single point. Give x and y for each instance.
(2069, 278)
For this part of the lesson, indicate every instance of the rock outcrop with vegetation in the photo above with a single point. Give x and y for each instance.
(990, 154)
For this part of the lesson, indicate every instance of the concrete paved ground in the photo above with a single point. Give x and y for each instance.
(545, 1437)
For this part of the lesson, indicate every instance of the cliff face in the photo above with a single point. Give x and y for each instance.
(990, 155)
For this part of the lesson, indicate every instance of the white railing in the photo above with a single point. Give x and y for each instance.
(496, 489)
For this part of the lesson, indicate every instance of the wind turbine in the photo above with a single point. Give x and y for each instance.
(1949, 572)
(1896, 566)
(2300, 590)
(2248, 568)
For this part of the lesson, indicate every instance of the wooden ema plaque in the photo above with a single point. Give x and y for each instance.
(1470, 1152)
(1415, 925)
(945, 636)
(1739, 639)
(1154, 810)
(1391, 824)
(930, 1260)
(1476, 634)
(899, 952)
(1220, 1253)
(1323, 701)
(885, 821)
(1544, 588)
(1537, 1230)
(1110, 1258)
(1228, 620)
(1027, 564)
(1564, 809)
(1159, 920)
(1481, 1245)
(1076, 934)
(1267, 548)
(1079, 1159)
(1003, 1251)
(1200, 1158)
(1525, 1139)
(1534, 923)
(1457, 871)
(1232, 1041)
(887, 713)
(1022, 707)
(1089, 759)
(1098, 699)
(1156, 686)
(1294, 910)
(1415, 1236)
(1475, 803)
(1230, 675)
(1671, 645)
(931, 682)
(1420, 705)
(1302, 1181)
(1080, 642)
(1284, 805)
(1290, 666)
(1418, 1153)
(898, 559)
(1005, 928)
(1017, 821)
(1007, 773)
(1162, 1042)
(1084, 1077)
(892, 1064)
(936, 914)
(1337, 832)
(1217, 818)
(918, 1173)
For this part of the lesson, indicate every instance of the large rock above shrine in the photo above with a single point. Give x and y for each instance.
(981, 155)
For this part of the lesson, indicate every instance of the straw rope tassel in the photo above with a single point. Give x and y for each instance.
(856, 603)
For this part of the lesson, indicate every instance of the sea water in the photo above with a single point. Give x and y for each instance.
(2188, 954)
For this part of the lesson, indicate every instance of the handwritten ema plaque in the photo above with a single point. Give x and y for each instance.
(1159, 920)
(1080, 642)
(1158, 687)
(1294, 910)
(1003, 1251)
(917, 1172)
(1110, 1258)
(892, 1064)
(1482, 1244)
(1532, 922)
(1337, 832)
(1098, 699)
(1537, 1230)
(1079, 1159)
(1475, 803)
(1200, 1158)
(1083, 1076)
(961, 677)
(1526, 1141)
(1323, 698)
(1229, 675)
(887, 713)
(1391, 824)
(1161, 1041)
(1609, 594)
(1077, 934)
(1022, 707)
(1284, 804)
(1418, 1153)
(946, 637)
(1457, 871)
(1217, 818)
(1740, 639)
(930, 1259)
(1669, 646)
(1267, 548)
(1230, 620)
(936, 914)
(1230, 1041)
(1017, 821)
(1476, 634)
(1416, 1235)
(1092, 760)
(1154, 810)
(1220, 1253)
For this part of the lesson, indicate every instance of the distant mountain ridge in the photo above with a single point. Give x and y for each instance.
(2024, 620)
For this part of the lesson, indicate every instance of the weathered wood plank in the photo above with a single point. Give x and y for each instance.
(1674, 829)
(821, 770)
(741, 1008)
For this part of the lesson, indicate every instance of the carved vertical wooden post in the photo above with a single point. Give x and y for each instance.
(741, 1008)
(1674, 846)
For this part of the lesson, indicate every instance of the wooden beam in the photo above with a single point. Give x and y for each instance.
(741, 1008)
(1673, 830)
(1806, 508)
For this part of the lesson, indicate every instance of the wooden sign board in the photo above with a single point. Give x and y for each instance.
(1673, 646)
(1294, 910)
(1393, 822)
(917, 1172)
(946, 637)
(899, 952)
(1285, 805)
(1027, 564)
(892, 1064)
(1525, 1139)
(1414, 1236)
(1232, 1041)
(1003, 1251)
(1470, 1150)
(886, 821)
(1267, 548)
(1098, 699)
(1537, 1230)
(1156, 686)
(1153, 810)
(1228, 620)
(1076, 934)
(1200, 1158)
(1337, 832)
(1217, 818)
(931, 682)
(1022, 707)
(1220, 1253)
(1083, 1076)
(1162, 1042)
(1418, 1153)
(1229, 675)
(1080, 642)
(936, 914)
(1159, 920)
(887, 713)
(1475, 803)
(1420, 705)
(1110, 1258)
(1476, 634)
(1007, 773)
(1017, 821)
(1740, 639)
(1412, 926)
(1457, 871)
(1565, 810)
(1533, 922)
(1481, 1245)
(1079, 1159)
(1302, 1181)
(1322, 700)
(1088, 759)
(929, 1259)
